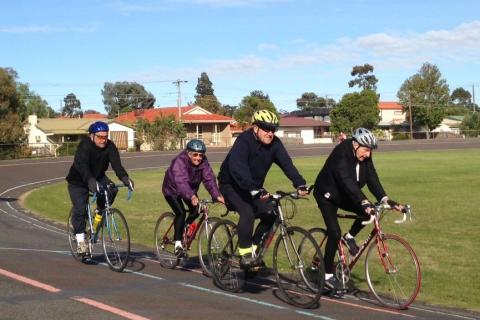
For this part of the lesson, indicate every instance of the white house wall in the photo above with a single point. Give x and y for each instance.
(130, 133)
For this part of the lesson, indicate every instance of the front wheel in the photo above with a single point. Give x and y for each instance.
(223, 258)
(204, 232)
(392, 271)
(116, 239)
(298, 266)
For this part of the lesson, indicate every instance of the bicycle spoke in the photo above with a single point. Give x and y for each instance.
(164, 241)
(115, 239)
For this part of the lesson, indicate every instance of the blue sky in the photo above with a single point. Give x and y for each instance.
(282, 47)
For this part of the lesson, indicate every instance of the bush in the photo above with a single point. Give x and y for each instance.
(67, 149)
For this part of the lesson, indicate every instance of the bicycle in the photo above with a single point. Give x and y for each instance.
(295, 271)
(165, 242)
(112, 230)
(393, 274)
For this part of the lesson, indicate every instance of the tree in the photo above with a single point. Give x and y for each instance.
(229, 110)
(363, 79)
(72, 108)
(355, 110)
(125, 96)
(33, 103)
(310, 100)
(164, 133)
(461, 97)
(205, 97)
(427, 94)
(470, 125)
(12, 135)
(257, 100)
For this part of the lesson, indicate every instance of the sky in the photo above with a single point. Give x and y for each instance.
(281, 47)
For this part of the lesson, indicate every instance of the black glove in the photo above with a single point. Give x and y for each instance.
(128, 183)
(302, 188)
(366, 205)
(392, 203)
(257, 194)
(93, 185)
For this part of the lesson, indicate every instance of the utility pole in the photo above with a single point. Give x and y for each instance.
(410, 116)
(473, 96)
(179, 97)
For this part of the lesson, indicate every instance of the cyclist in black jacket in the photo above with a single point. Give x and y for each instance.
(242, 175)
(87, 173)
(338, 185)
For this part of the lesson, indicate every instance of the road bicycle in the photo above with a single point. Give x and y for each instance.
(392, 269)
(112, 231)
(298, 276)
(165, 242)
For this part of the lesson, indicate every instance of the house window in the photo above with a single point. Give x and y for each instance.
(318, 133)
(292, 134)
(38, 139)
(199, 131)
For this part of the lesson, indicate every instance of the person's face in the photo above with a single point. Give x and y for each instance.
(362, 153)
(100, 138)
(265, 136)
(195, 157)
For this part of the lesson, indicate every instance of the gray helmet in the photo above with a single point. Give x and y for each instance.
(365, 138)
(196, 146)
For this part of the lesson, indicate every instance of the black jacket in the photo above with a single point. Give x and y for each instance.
(91, 162)
(247, 164)
(337, 181)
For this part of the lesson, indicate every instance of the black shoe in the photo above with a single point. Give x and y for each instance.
(247, 261)
(333, 284)
(352, 245)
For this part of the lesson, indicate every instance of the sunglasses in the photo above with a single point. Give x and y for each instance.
(265, 128)
(197, 154)
(101, 137)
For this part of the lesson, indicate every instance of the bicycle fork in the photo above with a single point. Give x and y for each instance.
(385, 257)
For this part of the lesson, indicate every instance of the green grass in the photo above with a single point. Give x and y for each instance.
(439, 185)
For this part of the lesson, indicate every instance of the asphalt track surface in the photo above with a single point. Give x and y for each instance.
(40, 280)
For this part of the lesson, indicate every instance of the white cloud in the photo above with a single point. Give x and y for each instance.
(267, 46)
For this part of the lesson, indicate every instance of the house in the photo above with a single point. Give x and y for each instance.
(46, 135)
(303, 130)
(450, 126)
(392, 118)
(212, 129)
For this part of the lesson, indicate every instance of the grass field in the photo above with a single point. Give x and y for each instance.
(439, 185)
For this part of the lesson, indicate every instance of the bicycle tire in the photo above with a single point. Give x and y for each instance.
(223, 259)
(202, 243)
(298, 267)
(115, 239)
(398, 287)
(165, 241)
(72, 239)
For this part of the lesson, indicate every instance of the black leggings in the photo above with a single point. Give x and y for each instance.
(334, 233)
(79, 198)
(178, 208)
(249, 210)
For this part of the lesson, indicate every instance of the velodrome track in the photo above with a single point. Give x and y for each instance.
(40, 280)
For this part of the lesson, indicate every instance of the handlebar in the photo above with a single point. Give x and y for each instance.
(380, 207)
(112, 185)
(282, 194)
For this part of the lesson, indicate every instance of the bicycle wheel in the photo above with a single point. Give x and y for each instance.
(115, 239)
(72, 239)
(298, 267)
(165, 242)
(205, 230)
(222, 257)
(393, 272)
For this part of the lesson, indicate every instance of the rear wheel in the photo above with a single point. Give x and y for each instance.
(298, 267)
(165, 241)
(204, 232)
(116, 239)
(223, 259)
(393, 272)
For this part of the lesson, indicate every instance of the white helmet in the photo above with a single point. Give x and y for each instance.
(365, 138)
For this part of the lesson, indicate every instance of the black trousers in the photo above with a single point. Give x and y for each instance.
(178, 208)
(334, 233)
(249, 210)
(79, 198)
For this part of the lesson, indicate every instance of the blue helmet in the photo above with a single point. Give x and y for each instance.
(196, 146)
(97, 127)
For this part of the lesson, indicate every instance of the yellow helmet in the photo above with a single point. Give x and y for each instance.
(265, 119)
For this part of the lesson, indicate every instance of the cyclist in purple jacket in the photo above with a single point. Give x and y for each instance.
(181, 183)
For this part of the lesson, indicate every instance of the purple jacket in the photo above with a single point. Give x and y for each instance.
(183, 179)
